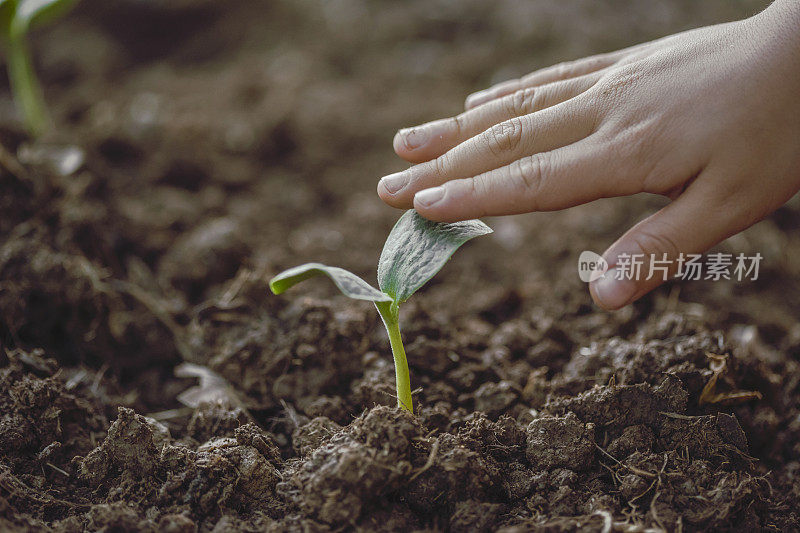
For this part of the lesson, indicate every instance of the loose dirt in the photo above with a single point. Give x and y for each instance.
(150, 382)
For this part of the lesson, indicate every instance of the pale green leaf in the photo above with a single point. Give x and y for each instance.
(417, 249)
(347, 282)
(7, 8)
(34, 12)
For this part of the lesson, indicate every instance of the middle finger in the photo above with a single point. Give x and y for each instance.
(499, 145)
(431, 140)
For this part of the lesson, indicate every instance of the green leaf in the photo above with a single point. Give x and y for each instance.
(34, 12)
(7, 8)
(417, 249)
(347, 282)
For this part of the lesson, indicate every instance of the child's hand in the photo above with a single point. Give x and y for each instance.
(709, 118)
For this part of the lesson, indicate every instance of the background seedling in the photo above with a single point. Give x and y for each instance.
(414, 252)
(17, 17)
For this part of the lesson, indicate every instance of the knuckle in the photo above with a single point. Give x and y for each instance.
(456, 125)
(656, 241)
(479, 187)
(441, 165)
(521, 102)
(528, 173)
(479, 194)
(542, 98)
(504, 137)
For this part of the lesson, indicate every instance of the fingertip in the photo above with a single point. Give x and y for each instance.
(612, 291)
(475, 99)
(601, 302)
(415, 157)
(446, 203)
(413, 139)
(412, 153)
(391, 201)
(390, 193)
(495, 91)
(429, 198)
(428, 141)
(398, 144)
(434, 215)
(381, 191)
(432, 203)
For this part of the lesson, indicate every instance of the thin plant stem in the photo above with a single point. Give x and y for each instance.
(390, 314)
(27, 91)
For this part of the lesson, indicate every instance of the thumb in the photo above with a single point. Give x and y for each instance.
(647, 255)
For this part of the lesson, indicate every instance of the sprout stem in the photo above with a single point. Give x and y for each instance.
(390, 314)
(27, 91)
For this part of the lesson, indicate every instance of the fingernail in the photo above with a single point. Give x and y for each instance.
(613, 293)
(413, 138)
(476, 98)
(394, 182)
(428, 197)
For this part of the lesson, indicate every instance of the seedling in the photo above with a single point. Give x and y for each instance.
(414, 252)
(17, 17)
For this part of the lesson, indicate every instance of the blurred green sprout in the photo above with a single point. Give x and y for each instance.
(414, 252)
(17, 17)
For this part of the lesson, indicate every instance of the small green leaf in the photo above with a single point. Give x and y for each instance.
(417, 249)
(35, 12)
(7, 8)
(347, 282)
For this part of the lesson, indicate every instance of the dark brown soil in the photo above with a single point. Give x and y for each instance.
(149, 381)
